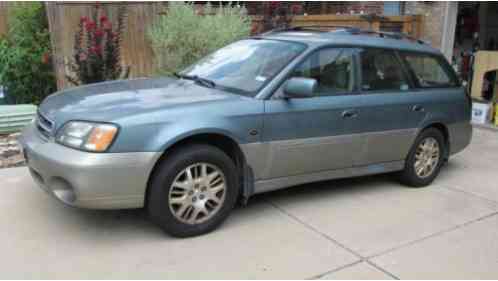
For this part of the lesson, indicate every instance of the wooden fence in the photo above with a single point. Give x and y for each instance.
(4, 15)
(410, 24)
(137, 53)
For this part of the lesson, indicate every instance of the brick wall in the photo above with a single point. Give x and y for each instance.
(433, 19)
(324, 7)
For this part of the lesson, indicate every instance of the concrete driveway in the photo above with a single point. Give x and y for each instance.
(349, 229)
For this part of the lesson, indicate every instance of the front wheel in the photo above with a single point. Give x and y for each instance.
(425, 159)
(193, 190)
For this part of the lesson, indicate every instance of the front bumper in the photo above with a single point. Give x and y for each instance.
(88, 180)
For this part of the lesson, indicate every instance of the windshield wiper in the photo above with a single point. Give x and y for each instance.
(203, 81)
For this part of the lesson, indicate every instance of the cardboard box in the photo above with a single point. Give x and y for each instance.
(481, 112)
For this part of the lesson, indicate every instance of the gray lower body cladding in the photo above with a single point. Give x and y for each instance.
(119, 180)
(279, 164)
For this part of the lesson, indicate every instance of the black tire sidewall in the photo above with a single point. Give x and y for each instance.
(409, 176)
(174, 163)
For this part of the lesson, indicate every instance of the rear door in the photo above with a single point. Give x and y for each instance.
(390, 109)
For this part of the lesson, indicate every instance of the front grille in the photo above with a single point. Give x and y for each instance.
(44, 125)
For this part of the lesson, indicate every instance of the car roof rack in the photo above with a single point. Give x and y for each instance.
(316, 28)
(352, 30)
(393, 35)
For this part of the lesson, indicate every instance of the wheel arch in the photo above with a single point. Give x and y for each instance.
(222, 141)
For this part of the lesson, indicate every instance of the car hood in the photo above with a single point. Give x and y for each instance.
(109, 101)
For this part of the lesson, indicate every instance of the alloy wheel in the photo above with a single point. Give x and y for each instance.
(427, 157)
(197, 193)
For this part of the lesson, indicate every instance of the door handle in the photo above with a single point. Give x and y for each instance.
(349, 114)
(418, 108)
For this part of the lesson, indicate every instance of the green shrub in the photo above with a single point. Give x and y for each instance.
(25, 68)
(181, 36)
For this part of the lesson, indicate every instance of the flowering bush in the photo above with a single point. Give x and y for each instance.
(182, 36)
(25, 64)
(97, 49)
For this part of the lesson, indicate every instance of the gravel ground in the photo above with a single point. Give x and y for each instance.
(10, 151)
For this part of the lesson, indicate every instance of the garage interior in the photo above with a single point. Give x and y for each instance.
(475, 56)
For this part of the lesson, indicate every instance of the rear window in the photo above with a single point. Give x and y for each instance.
(430, 71)
(381, 70)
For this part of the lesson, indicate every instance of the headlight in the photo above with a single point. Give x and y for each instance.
(96, 137)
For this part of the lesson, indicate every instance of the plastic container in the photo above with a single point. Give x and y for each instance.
(481, 112)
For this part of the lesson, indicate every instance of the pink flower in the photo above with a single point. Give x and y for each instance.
(107, 25)
(103, 18)
(89, 25)
(96, 50)
(84, 19)
(98, 33)
(83, 57)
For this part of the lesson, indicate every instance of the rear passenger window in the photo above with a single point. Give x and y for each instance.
(331, 68)
(429, 71)
(381, 71)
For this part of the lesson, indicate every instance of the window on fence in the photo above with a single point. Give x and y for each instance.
(429, 71)
(392, 8)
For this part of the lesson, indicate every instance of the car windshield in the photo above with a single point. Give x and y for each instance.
(245, 66)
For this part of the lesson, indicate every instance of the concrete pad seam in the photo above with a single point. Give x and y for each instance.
(382, 269)
(327, 237)
(457, 188)
(432, 235)
(361, 258)
(335, 270)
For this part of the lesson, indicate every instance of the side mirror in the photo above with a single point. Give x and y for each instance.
(299, 87)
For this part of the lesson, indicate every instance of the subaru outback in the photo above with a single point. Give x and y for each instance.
(288, 107)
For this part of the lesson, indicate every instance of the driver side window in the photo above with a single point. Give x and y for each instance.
(331, 68)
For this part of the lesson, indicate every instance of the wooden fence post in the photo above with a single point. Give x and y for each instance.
(3, 17)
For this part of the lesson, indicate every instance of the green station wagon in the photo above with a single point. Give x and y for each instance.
(288, 107)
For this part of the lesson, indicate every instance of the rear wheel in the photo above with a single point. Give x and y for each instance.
(425, 159)
(193, 190)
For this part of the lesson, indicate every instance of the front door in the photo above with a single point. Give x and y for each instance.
(309, 135)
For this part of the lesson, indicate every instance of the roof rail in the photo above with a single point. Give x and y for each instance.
(313, 28)
(351, 29)
(394, 35)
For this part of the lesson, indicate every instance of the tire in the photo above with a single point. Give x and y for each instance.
(179, 219)
(409, 176)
